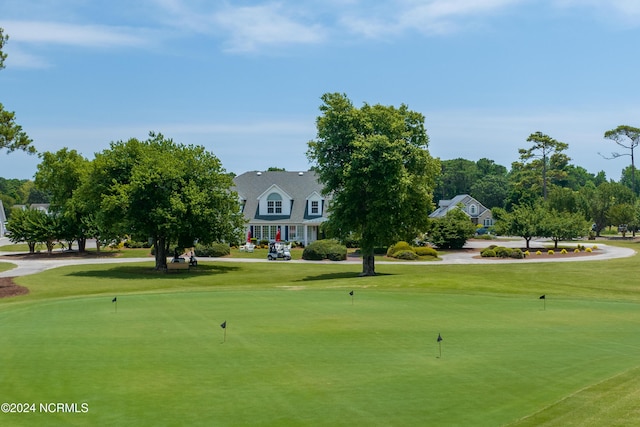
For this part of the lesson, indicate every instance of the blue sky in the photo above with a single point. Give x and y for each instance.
(244, 78)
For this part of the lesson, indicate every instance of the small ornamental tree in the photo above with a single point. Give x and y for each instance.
(451, 231)
(564, 226)
(523, 221)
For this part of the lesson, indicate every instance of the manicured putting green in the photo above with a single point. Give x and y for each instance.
(311, 357)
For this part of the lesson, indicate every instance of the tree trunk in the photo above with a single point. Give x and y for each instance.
(82, 244)
(368, 265)
(32, 247)
(161, 252)
(527, 239)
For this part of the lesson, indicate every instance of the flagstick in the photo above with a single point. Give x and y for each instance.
(440, 349)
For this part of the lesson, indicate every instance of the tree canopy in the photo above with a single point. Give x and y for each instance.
(545, 158)
(374, 162)
(171, 193)
(12, 137)
(626, 137)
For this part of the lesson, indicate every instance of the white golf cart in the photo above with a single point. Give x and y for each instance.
(279, 250)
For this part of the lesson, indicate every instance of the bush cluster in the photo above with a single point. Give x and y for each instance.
(212, 250)
(325, 249)
(502, 252)
(403, 250)
(133, 244)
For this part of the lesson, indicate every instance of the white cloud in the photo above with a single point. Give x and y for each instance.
(427, 17)
(43, 32)
(252, 27)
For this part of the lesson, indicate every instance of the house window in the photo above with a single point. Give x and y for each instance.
(488, 222)
(473, 210)
(274, 203)
(293, 235)
(257, 233)
(314, 207)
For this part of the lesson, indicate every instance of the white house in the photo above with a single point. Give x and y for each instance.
(479, 214)
(289, 202)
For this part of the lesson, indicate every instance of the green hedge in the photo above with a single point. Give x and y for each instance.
(398, 247)
(212, 250)
(402, 249)
(502, 252)
(325, 249)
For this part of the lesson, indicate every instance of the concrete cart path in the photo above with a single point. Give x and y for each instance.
(604, 252)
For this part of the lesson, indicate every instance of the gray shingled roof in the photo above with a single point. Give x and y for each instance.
(299, 185)
(445, 206)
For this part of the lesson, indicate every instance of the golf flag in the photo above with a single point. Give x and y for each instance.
(351, 293)
(224, 325)
(115, 299)
(439, 338)
(543, 297)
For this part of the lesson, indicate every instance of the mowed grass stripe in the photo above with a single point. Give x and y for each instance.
(613, 401)
(300, 356)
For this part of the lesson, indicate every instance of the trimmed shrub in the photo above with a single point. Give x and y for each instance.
(550, 252)
(400, 246)
(526, 253)
(325, 249)
(563, 251)
(588, 250)
(576, 250)
(517, 254)
(538, 253)
(313, 253)
(502, 252)
(408, 255)
(212, 250)
(425, 251)
(488, 253)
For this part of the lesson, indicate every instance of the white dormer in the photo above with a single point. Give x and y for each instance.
(314, 204)
(275, 201)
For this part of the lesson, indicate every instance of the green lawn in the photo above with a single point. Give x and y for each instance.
(299, 351)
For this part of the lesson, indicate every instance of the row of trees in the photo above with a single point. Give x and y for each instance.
(373, 160)
(155, 189)
(540, 168)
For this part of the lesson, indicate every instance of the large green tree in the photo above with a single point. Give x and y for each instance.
(169, 192)
(60, 175)
(12, 137)
(457, 176)
(599, 201)
(546, 157)
(627, 137)
(374, 162)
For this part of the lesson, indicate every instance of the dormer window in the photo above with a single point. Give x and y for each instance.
(274, 203)
(315, 207)
(473, 210)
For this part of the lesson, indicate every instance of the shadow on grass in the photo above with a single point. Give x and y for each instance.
(343, 275)
(139, 272)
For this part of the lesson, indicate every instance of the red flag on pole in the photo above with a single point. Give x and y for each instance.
(278, 235)
(249, 236)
